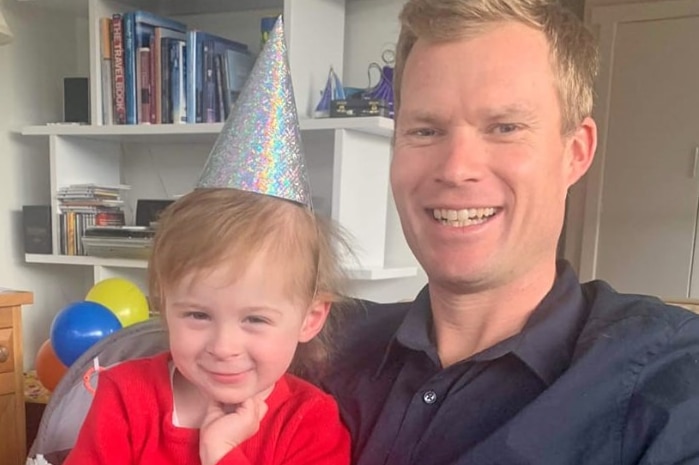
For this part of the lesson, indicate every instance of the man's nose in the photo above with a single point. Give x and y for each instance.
(462, 159)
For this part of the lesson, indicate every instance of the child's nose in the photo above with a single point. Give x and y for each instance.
(227, 341)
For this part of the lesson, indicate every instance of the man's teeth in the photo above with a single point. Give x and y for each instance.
(465, 217)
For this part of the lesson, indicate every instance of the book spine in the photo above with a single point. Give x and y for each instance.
(179, 100)
(165, 86)
(106, 69)
(153, 74)
(191, 76)
(226, 91)
(118, 91)
(130, 76)
(144, 86)
(208, 112)
(157, 76)
(218, 74)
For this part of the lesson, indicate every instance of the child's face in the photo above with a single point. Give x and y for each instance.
(234, 339)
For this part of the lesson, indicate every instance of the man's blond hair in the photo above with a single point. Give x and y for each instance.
(573, 51)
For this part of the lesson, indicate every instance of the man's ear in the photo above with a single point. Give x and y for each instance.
(315, 319)
(581, 150)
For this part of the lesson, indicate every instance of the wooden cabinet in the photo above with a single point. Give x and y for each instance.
(13, 447)
(641, 221)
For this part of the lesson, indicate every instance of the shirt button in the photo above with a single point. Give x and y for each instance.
(429, 397)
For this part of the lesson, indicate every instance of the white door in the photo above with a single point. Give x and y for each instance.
(649, 118)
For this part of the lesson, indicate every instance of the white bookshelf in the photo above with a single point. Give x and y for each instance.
(376, 125)
(360, 274)
(348, 158)
(86, 261)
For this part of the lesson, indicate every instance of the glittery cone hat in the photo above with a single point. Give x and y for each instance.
(259, 149)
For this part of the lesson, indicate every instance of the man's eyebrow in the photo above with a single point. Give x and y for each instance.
(506, 111)
(423, 116)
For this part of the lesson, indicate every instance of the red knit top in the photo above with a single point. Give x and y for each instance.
(130, 422)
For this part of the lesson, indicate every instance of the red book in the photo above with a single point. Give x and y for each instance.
(144, 113)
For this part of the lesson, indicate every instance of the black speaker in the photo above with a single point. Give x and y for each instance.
(36, 220)
(76, 100)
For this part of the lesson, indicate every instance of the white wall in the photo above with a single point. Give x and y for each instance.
(372, 27)
(576, 201)
(31, 68)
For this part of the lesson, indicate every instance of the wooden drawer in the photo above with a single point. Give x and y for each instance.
(11, 438)
(5, 317)
(7, 383)
(7, 350)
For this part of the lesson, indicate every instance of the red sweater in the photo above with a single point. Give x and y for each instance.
(130, 422)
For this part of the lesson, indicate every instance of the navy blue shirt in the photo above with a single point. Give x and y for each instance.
(595, 377)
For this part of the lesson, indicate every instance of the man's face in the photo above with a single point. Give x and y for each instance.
(480, 168)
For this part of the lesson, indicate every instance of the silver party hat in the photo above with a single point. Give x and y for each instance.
(259, 148)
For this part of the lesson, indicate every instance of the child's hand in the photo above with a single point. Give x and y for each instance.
(223, 430)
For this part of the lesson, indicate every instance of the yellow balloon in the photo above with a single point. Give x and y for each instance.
(123, 298)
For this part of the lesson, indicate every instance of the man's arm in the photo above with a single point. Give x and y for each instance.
(663, 416)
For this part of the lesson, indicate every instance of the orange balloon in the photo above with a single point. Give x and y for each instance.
(49, 369)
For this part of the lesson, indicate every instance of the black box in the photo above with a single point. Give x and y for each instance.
(36, 221)
(76, 100)
(148, 211)
(358, 107)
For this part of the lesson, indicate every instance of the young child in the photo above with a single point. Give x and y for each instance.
(245, 274)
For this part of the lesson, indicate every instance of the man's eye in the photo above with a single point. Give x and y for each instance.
(505, 128)
(422, 132)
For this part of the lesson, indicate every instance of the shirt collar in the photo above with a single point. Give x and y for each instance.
(545, 344)
(548, 339)
(414, 332)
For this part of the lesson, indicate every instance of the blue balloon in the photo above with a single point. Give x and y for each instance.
(78, 326)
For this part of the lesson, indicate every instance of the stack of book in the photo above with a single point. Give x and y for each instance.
(156, 70)
(84, 205)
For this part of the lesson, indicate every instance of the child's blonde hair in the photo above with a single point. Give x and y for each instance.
(211, 227)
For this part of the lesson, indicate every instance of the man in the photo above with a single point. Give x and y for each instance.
(505, 358)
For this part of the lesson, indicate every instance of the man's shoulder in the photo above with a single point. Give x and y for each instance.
(612, 310)
(366, 330)
(639, 329)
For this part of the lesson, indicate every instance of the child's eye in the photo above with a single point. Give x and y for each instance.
(200, 316)
(254, 319)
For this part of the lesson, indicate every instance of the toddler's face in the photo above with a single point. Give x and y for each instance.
(234, 339)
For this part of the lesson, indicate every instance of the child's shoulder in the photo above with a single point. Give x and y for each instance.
(302, 392)
(137, 370)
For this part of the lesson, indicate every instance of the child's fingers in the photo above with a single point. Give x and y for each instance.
(253, 409)
(214, 408)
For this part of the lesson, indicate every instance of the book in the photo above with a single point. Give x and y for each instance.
(144, 86)
(199, 89)
(106, 70)
(139, 26)
(177, 82)
(237, 68)
(118, 91)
